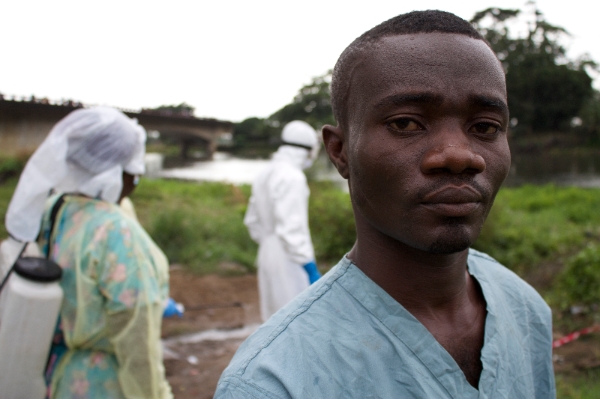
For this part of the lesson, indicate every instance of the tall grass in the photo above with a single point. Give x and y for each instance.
(197, 225)
(533, 224)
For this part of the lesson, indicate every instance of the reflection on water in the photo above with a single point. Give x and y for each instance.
(564, 167)
(222, 168)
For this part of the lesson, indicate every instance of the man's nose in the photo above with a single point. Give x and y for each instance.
(454, 154)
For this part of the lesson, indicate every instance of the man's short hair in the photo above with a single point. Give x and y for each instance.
(403, 24)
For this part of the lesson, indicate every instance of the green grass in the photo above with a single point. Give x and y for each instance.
(585, 385)
(532, 224)
(197, 225)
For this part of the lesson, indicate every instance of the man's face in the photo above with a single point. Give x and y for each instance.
(426, 144)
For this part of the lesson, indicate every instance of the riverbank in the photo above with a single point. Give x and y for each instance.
(549, 235)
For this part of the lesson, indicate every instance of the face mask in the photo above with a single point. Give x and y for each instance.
(312, 156)
(308, 163)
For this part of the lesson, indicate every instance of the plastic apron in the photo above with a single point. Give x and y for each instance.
(279, 279)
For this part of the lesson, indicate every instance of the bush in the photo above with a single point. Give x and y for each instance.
(197, 225)
(579, 282)
(11, 166)
(331, 222)
(532, 224)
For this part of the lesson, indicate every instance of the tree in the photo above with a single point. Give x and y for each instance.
(546, 90)
(253, 131)
(590, 118)
(182, 109)
(312, 104)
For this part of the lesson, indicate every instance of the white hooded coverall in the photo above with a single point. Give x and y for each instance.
(277, 219)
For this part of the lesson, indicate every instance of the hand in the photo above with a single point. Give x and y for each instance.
(313, 272)
(173, 308)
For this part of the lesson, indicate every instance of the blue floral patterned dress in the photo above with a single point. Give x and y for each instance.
(115, 282)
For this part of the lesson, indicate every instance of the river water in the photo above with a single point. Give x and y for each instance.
(563, 167)
(222, 168)
(226, 168)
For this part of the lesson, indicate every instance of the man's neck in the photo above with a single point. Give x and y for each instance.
(420, 281)
(435, 288)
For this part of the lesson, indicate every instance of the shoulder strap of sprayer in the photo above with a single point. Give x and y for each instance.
(53, 213)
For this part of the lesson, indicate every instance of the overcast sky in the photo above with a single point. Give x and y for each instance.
(229, 59)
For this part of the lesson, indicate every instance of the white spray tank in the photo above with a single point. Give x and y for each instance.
(29, 305)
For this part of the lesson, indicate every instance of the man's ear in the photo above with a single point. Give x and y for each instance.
(336, 147)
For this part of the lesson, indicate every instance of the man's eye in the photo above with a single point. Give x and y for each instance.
(485, 128)
(405, 125)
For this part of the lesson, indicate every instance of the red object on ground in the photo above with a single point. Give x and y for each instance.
(574, 335)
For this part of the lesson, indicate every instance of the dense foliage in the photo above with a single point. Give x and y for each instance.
(579, 282)
(197, 225)
(182, 109)
(531, 225)
(331, 222)
(312, 104)
(546, 90)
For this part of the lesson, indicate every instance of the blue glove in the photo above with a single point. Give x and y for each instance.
(313, 272)
(173, 308)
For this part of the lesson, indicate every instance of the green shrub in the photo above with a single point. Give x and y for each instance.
(579, 282)
(532, 224)
(197, 225)
(331, 222)
(11, 166)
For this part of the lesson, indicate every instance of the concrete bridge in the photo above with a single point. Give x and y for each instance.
(24, 125)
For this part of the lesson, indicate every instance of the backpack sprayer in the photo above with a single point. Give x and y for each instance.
(30, 301)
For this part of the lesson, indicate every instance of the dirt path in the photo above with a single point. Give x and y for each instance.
(222, 311)
(212, 303)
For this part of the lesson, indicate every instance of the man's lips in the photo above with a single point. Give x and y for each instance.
(453, 201)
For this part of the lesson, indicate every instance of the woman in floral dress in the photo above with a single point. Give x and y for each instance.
(115, 278)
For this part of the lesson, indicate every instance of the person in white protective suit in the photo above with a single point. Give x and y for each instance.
(277, 219)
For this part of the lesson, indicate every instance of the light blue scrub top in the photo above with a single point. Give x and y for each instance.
(345, 337)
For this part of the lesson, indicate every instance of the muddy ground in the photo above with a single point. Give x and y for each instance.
(212, 303)
(225, 309)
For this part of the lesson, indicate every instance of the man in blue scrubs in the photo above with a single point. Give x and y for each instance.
(410, 312)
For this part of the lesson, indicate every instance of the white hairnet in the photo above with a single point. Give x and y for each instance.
(86, 152)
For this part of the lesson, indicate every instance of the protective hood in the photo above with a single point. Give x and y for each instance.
(300, 134)
(86, 152)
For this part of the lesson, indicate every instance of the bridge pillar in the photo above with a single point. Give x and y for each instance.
(209, 147)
